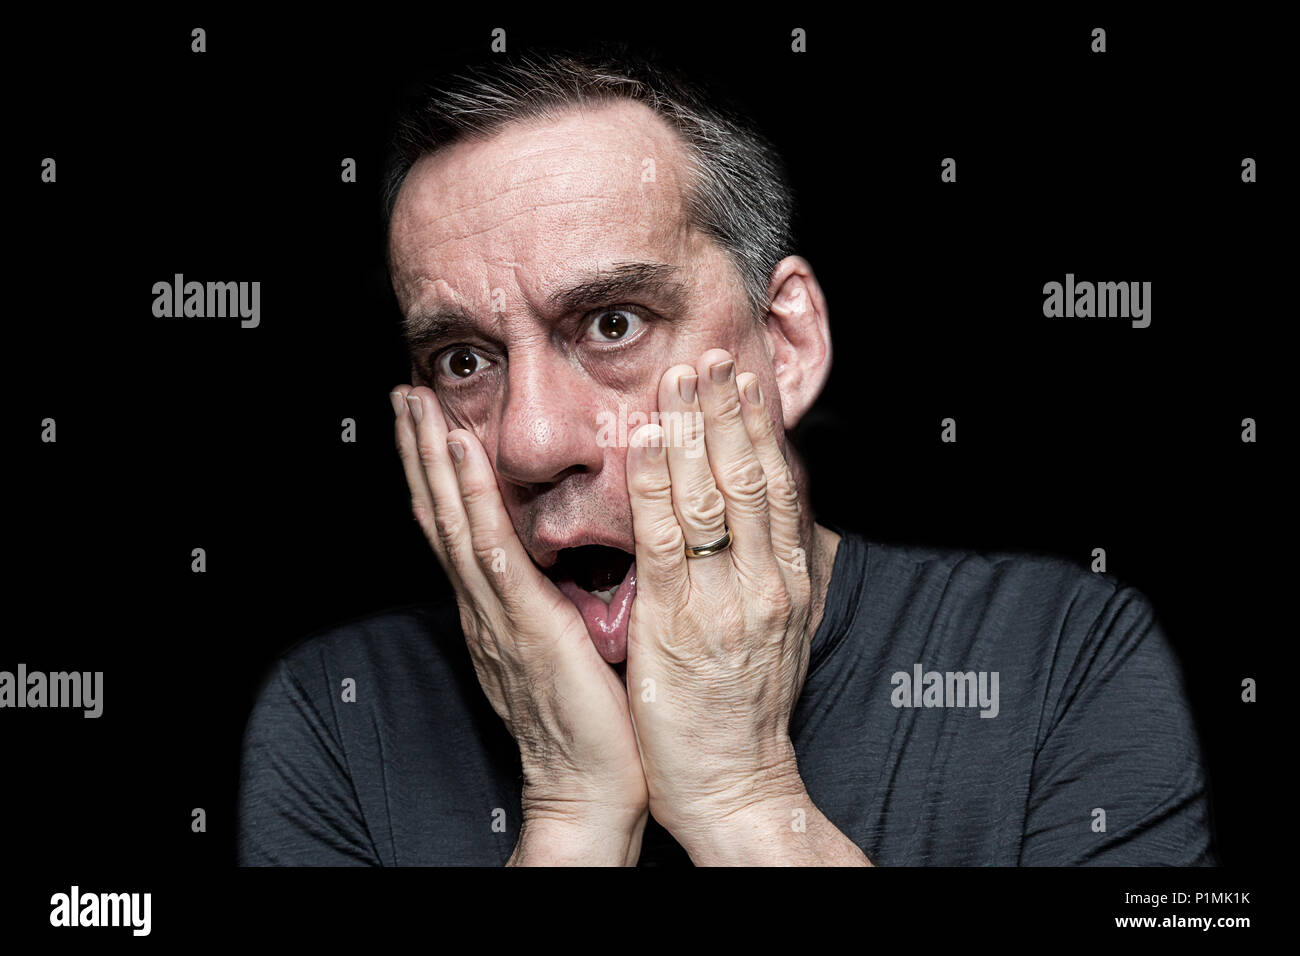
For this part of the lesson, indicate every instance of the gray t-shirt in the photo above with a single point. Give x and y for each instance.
(1088, 753)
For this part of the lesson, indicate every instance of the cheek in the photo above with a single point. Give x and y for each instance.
(616, 465)
(476, 407)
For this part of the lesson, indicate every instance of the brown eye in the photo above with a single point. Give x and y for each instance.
(461, 363)
(612, 325)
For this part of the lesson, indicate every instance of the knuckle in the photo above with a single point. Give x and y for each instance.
(726, 408)
(422, 513)
(427, 452)
(486, 552)
(449, 533)
(779, 603)
(475, 492)
(747, 482)
(707, 508)
(654, 486)
(781, 491)
(666, 542)
(686, 428)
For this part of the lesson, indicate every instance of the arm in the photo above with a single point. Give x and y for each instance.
(297, 806)
(1120, 740)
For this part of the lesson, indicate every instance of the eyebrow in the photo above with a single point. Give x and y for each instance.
(612, 286)
(427, 328)
(625, 280)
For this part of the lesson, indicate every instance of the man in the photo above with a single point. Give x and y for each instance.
(656, 655)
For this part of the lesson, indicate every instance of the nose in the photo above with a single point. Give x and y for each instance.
(549, 424)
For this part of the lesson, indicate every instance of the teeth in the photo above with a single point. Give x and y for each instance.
(605, 596)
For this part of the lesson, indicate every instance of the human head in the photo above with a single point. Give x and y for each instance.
(529, 197)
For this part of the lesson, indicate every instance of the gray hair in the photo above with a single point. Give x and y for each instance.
(737, 192)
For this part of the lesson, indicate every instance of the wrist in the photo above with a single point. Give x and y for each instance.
(775, 824)
(789, 832)
(755, 812)
(578, 837)
(763, 832)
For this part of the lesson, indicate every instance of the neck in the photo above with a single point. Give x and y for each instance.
(821, 562)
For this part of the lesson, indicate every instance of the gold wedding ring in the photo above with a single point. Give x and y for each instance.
(713, 547)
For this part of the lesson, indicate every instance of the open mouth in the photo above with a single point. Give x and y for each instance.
(601, 583)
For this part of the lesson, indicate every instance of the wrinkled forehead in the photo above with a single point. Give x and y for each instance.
(539, 200)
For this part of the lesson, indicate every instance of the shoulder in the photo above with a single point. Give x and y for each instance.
(399, 667)
(1005, 595)
(415, 643)
(1064, 635)
(1055, 631)
(362, 733)
(1025, 575)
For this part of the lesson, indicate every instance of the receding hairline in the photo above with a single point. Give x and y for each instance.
(734, 183)
(687, 175)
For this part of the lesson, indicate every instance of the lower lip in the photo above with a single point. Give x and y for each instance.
(607, 624)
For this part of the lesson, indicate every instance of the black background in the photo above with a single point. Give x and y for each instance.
(177, 434)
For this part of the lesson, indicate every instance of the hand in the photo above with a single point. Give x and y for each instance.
(584, 793)
(717, 646)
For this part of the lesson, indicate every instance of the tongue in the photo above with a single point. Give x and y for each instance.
(606, 623)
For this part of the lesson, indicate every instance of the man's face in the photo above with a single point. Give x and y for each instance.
(548, 277)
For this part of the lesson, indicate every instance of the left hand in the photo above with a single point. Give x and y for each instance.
(717, 645)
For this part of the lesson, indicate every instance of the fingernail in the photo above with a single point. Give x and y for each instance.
(457, 450)
(399, 402)
(753, 394)
(686, 387)
(417, 408)
(652, 440)
(721, 373)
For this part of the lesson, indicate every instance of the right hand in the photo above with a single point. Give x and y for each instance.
(584, 791)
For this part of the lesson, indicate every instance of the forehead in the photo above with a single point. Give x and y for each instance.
(540, 199)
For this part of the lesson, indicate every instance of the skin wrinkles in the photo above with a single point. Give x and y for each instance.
(489, 240)
(538, 418)
(519, 183)
(522, 211)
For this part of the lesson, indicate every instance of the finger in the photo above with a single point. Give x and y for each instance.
(660, 556)
(700, 507)
(736, 469)
(450, 533)
(416, 479)
(528, 597)
(783, 506)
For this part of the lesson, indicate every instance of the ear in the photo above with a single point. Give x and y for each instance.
(798, 336)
